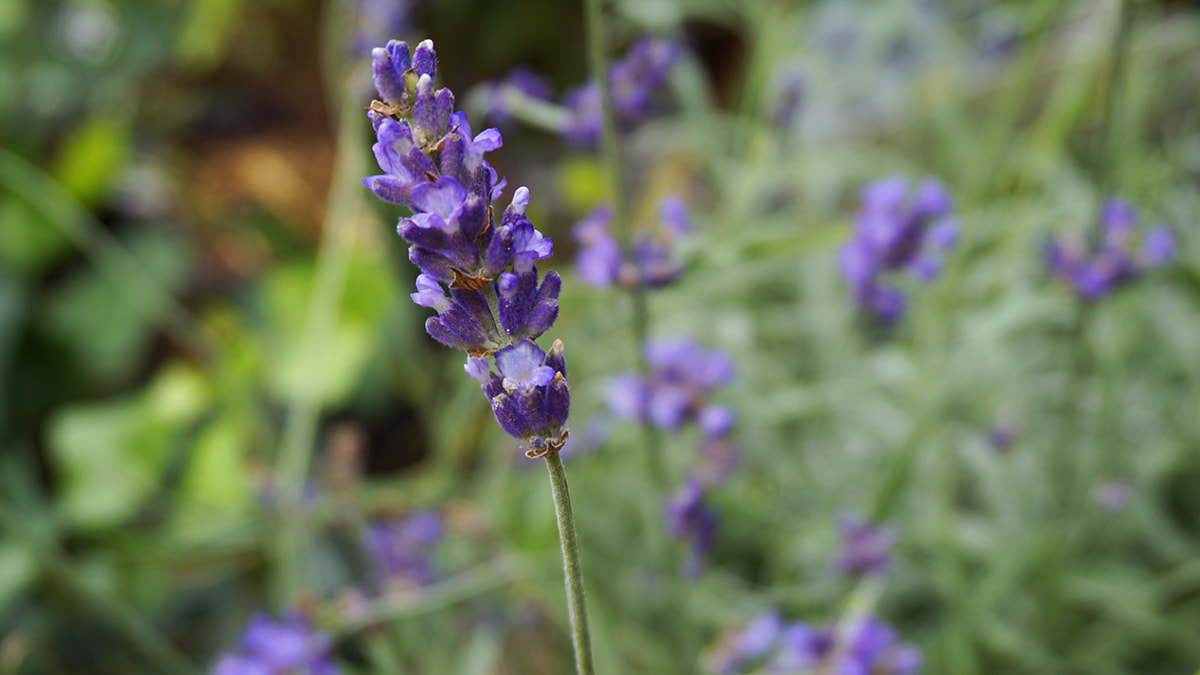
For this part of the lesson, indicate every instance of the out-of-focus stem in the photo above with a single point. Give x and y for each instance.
(1105, 159)
(572, 566)
(340, 229)
(611, 147)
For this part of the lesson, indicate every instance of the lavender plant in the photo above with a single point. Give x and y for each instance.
(859, 646)
(478, 274)
(290, 645)
(1119, 255)
(633, 81)
(400, 550)
(896, 229)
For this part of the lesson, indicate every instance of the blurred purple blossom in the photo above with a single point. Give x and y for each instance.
(289, 645)
(633, 83)
(768, 644)
(522, 80)
(400, 550)
(600, 262)
(866, 549)
(1094, 269)
(689, 518)
(682, 375)
(1112, 495)
(896, 229)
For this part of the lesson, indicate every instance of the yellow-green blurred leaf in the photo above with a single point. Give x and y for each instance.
(93, 157)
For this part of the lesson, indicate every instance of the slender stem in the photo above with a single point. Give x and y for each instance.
(341, 227)
(576, 602)
(1105, 159)
(611, 147)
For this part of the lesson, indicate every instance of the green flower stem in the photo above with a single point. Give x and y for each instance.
(576, 602)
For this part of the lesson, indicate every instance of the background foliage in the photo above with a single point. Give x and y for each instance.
(200, 306)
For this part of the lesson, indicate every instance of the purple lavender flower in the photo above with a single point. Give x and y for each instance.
(677, 388)
(866, 646)
(896, 230)
(652, 264)
(477, 274)
(633, 82)
(522, 81)
(530, 397)
(1003, 434)
(400, 550)
(866, 548)
(269, 647)
(1117, 258)
(688, 518)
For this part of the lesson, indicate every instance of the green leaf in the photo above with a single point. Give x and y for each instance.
(93, 157)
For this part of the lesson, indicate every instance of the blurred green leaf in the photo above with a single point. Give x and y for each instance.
(101, 323)
(93, 157)
(109, 455)
(206, 31)
(27, 242)
(17, 570)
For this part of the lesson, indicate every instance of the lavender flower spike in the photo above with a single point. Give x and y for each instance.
(689, 518)
(477, 274)
(866, 548)
(530, 397)
(897, 229)
(1092, 271)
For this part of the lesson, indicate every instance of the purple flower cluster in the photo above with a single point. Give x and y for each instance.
(530, 397)
(675, 392)
(682, 375)
(689, 518)
(432, 165)
(400, 550)
(896, 230)
(633, 82)
(1094, 270)
(866, 548)
(864, 646)
(479, 276)
(271, 647)
(652, 264)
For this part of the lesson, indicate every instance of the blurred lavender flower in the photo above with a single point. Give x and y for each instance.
(435, 167)
(521, 80)
(677, 388)
(1094, 270)
(599, 260)
(787, 95)
(1112, 495)
(633, 82)
(896, 230)
(866, 646)
(530, 397)
(269, 647)
(1003, 434)
(381, 20)
(400, 550)
(688, 518)
(866, 549)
